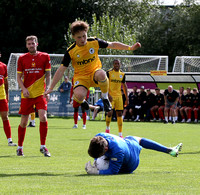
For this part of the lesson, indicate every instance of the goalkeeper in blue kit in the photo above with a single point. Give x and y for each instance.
(123, 153)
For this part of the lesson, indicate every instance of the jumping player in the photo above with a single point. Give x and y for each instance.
(116, 80)
(34, 67)
(4, 103)
(76, 105)
(123, 154)
(83, 54)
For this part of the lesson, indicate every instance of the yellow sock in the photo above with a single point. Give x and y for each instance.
(119, 123)
(104, 85)
(108, 120)
(33, 116)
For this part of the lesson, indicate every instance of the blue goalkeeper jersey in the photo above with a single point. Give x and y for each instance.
(123, 154)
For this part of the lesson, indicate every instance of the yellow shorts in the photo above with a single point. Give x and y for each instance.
(117, 103)
(86, 81)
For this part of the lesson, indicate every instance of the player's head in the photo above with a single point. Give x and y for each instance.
(195, 91)
(79, 31)
(170, 88)
(32, 43)
(98, 146)
(188, 90)
(116, 64)
(157, 90)
(66, 79)
(181, 90)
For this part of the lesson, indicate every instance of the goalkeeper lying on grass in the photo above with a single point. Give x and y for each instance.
(123, 153)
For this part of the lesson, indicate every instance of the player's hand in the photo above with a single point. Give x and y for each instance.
(91, 169)
(48, 91)
(25, 92)
(47, 96)
(136, 46)
(127, 102)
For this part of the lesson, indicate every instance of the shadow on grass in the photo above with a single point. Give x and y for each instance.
(183, 153)
(31, 174)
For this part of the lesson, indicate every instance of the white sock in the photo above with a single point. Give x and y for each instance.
(122, 117)
(120, 133)
(166, 118)
(174, 118)
(137, 117)
(108, 128)
(104, 95)
(20, 147)
(9, 140)
(42, 146)
(170, 118)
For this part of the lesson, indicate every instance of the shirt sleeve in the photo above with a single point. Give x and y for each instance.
(19, 65)
(48, 64)
(124, 79)
(102, 43)
(66, 59)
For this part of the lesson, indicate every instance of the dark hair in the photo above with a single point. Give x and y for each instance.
(79, 26)
(97, 147)
(32, 37)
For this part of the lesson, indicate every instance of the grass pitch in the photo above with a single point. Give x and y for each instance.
(64, 173)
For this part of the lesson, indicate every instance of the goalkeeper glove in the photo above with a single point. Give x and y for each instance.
(91, 169)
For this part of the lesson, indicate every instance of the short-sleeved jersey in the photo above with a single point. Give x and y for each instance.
(189, 100)
(3, 75)
(33, 68)
(160, 100)
(115, 82)
(85, 59)
(196, 100)
(171, 97)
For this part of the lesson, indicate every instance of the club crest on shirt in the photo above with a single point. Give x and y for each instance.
(33, 64)
(76, 83)
(78, 56)
(120, 76)
(91, 50)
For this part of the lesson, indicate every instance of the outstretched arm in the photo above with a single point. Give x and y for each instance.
(121, 46)
(58, 75)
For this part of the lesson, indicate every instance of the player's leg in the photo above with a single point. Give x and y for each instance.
(119, 122)
(152, 145)
(75, 106)
(195, 110)
(188, 111)
(84, 117)
(80, 92)
(166, 111)
(108, 120)
(7, 128)
(102, 80)
(32, 120)
(161, 113)
(182, 114)
(153, 110)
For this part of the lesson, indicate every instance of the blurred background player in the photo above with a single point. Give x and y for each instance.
(83, 54)
(171, 97)
(187, 106)
(4, 98)
(123, 154)
(196, 104)
(132, 101)
(34, 67)
(159, 106)
(116, 79)
(96, 108)
(32, 120)
(76, 106)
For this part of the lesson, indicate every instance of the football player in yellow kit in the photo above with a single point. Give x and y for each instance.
(83, 54)
(116, 79)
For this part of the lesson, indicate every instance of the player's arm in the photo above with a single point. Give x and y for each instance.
(122, 46)
(48, 79)
(58, 75)
(21, 84)
(6, 88)
(125, 89)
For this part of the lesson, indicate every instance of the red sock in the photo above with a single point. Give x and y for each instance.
(152, 113)
(189, 113)
(21, 135)
(7, 128)
(84, 116)
(161, 115)
(195, 114)
(43, 132)
(75, 118)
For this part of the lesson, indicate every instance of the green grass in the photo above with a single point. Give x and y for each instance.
(64, 172)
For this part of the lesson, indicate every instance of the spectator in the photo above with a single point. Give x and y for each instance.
(64, 89)
(187, 108)
(159, 105)
(181, 100)
(171, 97)
(196, 104)
(132, 100)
